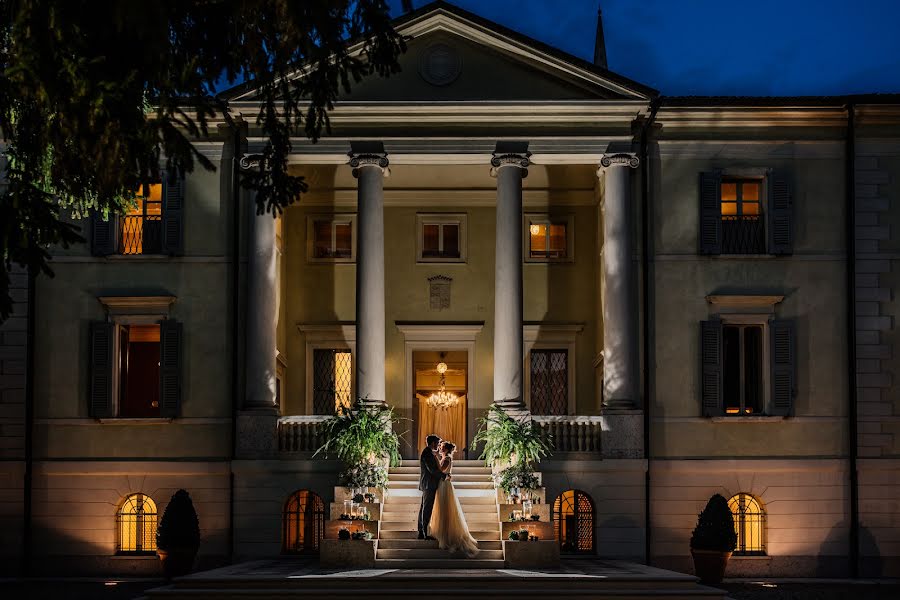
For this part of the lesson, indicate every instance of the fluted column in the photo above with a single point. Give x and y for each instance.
(509, 166)
(261, 311)
(370, 167)
(620, 343)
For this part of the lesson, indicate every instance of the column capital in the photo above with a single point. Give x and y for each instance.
(369, 159)
(620, 159)
(510, 154)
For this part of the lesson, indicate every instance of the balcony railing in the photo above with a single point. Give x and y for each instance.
(300, 433)
(572, 433)
(140, 234)
(743, 234)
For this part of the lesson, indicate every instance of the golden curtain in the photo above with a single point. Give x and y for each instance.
(450, 424)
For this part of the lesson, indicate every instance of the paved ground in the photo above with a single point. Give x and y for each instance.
(814, 589)
(76, 589)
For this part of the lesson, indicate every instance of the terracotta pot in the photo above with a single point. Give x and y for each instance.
(177, 562)
(709, 565)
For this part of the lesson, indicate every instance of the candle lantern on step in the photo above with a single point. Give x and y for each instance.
(348, 507)
(526, 509)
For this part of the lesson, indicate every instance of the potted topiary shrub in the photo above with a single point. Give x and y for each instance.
(178, 536)
(713, 540)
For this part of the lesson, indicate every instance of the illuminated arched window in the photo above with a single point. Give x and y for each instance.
(136, 525)
(304, 523)
(750, 524)
(573, 522)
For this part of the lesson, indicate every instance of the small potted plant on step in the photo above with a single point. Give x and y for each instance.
(178, 536)
(713, 540)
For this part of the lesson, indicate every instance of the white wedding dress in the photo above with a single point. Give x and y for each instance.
(448, 524)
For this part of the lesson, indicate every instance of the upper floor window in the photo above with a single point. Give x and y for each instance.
(548, 239)
(745, 214)
(748, 366)
(332, 238)
(140, 229)
(549, 382)
(153, 224)
(441, 237)
(135, 361)
(332, 380)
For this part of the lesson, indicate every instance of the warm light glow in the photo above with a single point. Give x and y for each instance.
(442, 399)
(749, 524)
(534, 229)
(137, 525)
(442, 367)
(342, 380)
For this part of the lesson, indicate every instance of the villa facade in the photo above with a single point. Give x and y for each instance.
(692, 295)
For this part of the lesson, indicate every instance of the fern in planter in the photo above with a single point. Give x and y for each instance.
(357, 436)
(507, 440)
(520, 475)
(715, 527)
(179, 527)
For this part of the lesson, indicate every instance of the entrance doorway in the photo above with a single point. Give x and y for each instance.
(440, 386)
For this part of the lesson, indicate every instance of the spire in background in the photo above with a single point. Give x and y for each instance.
(600, 42)
(407, 6)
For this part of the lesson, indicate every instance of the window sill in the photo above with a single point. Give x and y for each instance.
(740, 256)
(136, 420)
(138, 256)
(147, 556)
(750, 557)
(748, 419)
(440, 261)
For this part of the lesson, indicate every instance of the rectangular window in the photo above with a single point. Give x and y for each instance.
(548, 239)
(141, 228)
(743, 229)
(742, 372)
(331, 238)
(138, 368)
(549, 382)
(441, 238)
(332, 380)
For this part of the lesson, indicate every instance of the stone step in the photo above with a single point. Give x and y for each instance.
(412, 534)
(456, 463)
(457, 477)
(413, 509)
(457, 470)
(415, 554)
(410, 525)
(444, 563)
(469, 497)
(411, 544)
(457, 485)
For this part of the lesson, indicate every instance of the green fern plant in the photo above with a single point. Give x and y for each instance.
(361, 435)
(507, 440)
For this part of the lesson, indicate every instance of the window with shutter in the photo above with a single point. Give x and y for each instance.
(173, 214)
(101, 376)
(711, 368)
(103, 234)
(710, 213)
(783, 367)
(742, 374)
(170, 368)
(781, 214)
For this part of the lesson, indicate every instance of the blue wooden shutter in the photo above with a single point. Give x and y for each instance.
(170, 368)
(781, 214)
(783, 356)
(711, 213)
(173, 214)
(101, 374)
(711, 368)
(104, 234)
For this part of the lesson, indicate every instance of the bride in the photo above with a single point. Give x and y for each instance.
(448, 524)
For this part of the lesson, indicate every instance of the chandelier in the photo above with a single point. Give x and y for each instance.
(442, 399)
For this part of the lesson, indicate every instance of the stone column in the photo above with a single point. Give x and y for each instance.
(619, 294)
(261, 312)
(509, 166)
(370, 167)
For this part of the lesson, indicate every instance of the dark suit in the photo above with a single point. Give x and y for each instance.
(429, 481)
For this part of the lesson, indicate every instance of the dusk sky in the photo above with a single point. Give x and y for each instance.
(722, 47)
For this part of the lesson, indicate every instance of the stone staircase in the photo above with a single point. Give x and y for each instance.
(397, 543)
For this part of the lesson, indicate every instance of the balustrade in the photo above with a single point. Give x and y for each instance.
(572, 433)
(300, 433)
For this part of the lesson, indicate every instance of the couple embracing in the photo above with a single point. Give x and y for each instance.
(440, 515)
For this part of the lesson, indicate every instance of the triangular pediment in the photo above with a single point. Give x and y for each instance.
(455, 56)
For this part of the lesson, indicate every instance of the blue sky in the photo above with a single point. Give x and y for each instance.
(724, 47)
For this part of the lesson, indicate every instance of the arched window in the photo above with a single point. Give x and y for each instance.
(136, 525)
(304, 523)
(750, 524)
(573, 522)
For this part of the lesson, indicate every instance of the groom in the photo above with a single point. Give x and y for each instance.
(428, 483)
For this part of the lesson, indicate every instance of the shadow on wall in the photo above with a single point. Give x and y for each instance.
(831, 564)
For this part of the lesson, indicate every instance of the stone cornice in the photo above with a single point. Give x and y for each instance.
(122, 305)
(749, 117)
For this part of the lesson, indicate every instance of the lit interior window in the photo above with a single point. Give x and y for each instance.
(342, 380)
(749, 524)
(547, 240)
(141, 227)
(137, 525)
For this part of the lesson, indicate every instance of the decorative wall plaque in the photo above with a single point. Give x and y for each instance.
(439, 64)
(439, 292)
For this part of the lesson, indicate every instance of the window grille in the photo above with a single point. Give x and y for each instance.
(573, 522)
(136, 525)
(549, 382)
(750, 525)
(332, 380)
(304, 523)
(140, 229)
(743, 231)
